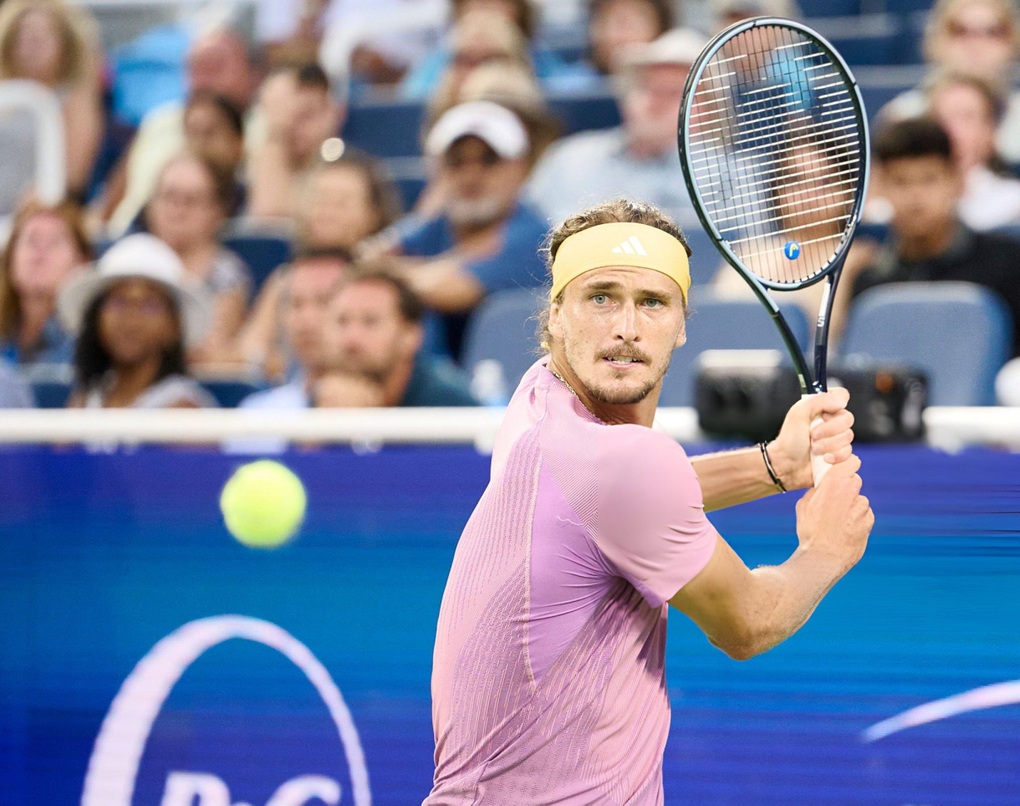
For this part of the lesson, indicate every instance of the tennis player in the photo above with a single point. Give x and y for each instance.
(549, 682)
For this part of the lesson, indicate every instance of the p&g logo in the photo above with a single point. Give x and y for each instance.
(113, 768)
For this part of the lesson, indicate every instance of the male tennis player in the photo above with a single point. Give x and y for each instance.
(548, 682)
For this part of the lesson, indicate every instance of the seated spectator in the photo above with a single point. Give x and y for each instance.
(552, 71)
(344, 201)
(214, 129)
(187, 212)
(54, 44)
(341, 203)
(45, 246)
(638, 159)
(970, 110)
(484, 238)
(481, 37)
(974, 37)
(375, 330)
(929, 242)
(339, 389)
(134, 316)
(301, 114)
(14, 392)
(220, 62)
(615, 25)
(307, 287)
(728, 12)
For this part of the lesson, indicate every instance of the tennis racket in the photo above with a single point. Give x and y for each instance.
(773, 144)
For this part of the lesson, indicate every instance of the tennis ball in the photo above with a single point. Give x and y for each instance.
(263, 504)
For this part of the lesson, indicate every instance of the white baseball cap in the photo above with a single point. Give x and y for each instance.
(496, 125)
(145, 257)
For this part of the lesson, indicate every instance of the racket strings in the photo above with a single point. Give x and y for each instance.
(774, 146)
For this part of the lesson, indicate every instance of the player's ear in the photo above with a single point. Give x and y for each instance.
(555, 325)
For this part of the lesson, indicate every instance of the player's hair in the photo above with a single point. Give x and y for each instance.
(92, 361)
(610, 212)
(910, 139)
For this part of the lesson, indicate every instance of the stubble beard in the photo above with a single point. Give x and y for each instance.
(615, 396)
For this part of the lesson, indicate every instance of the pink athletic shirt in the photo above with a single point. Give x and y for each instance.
(548, 681)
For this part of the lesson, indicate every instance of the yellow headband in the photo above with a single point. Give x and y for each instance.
(620, 244)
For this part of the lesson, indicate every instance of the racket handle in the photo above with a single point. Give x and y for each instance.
(819, 467)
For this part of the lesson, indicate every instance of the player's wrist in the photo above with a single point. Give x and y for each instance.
(770, 468)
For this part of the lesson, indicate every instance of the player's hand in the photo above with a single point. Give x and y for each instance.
(831, 438)
(834, 519)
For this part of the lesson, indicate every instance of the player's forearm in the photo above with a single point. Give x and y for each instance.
(732, 477)
(780, 600)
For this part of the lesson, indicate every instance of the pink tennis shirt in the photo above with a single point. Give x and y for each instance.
(548, 682)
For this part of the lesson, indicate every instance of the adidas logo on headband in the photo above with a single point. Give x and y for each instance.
(632, 246)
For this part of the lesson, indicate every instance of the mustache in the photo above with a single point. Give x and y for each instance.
(630, 352)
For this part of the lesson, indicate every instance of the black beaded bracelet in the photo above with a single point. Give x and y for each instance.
(769, 468)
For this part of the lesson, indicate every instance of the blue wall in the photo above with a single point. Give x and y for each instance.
(102, 556)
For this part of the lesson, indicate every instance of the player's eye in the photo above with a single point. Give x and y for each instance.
(600, 299)
(652, 302)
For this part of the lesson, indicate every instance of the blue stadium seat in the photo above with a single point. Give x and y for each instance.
(503, 330)
(230, 391)
(262, 248)
(829, 8)
(725, 324)
(959, 334)
(51, 384)
(579, 113)
(386, 128)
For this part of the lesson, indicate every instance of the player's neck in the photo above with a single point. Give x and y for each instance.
(640, 413)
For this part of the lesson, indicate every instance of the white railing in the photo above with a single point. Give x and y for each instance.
(948, 428)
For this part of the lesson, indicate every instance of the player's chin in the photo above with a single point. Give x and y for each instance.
(622, 392)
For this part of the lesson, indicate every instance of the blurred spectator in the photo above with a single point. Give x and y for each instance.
(339, 389)
(307, 287)
(45, 245)
(554, 74)
(480, 38)
(728, 12)
(484, 238)
(187, 212)
(55, 44)
(220, 62)
(303, 120)
(14, 393)
(929, 242)
(135, 314)
(344, 201)
(375, 330)
(615, 25)
(970, 110)
(214, 129)
(974, 37)
(341, 203)
(638, 159)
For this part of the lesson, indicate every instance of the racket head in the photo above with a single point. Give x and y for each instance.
(774, 147)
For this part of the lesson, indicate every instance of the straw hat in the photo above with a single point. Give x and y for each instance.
(137, 257)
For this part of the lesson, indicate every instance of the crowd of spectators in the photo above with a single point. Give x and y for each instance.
(129, 281)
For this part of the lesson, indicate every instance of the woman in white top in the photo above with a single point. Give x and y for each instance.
(134, 316)
(187, 211)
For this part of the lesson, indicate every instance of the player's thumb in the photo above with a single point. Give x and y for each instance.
(829, 402)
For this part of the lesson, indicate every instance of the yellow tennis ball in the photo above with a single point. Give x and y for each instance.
(263, 504)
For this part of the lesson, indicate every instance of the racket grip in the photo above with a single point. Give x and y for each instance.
(819, 467)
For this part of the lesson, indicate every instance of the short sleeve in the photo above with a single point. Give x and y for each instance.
(650, 520)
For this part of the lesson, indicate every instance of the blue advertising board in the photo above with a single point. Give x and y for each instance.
(148, 659)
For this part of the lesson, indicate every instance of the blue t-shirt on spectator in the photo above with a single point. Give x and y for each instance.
(55, 346)
(516, 265)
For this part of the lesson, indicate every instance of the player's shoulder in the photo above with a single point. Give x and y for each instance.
(632, 447)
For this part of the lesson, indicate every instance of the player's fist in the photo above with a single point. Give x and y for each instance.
(834, 518)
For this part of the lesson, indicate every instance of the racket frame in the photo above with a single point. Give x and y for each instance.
(809, 382)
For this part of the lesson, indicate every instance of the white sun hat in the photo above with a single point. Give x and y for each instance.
(137, 257)
(496, 125)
